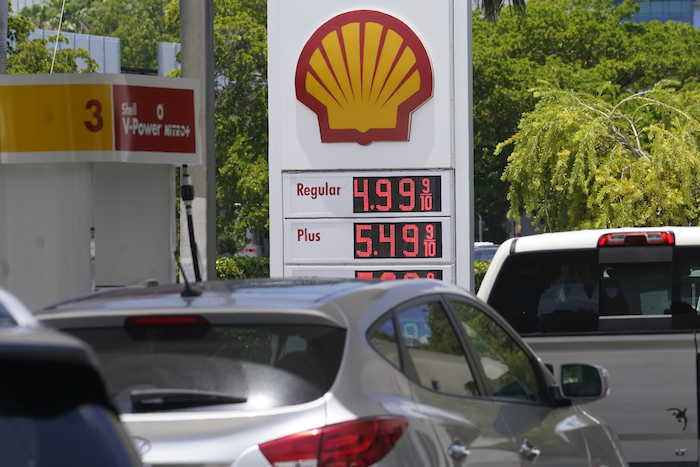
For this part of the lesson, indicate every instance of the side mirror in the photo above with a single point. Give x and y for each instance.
(580, 383)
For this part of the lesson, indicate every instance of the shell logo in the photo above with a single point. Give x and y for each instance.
(363, 73)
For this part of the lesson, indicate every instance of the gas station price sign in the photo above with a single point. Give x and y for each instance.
(398, 240)
(372, 271)
(333, 194)
(390, 225)
(393, 275)
(401, 240)
(397, 194)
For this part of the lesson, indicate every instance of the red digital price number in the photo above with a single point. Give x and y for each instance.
(397, 194)
(399, 275)
(398, 240)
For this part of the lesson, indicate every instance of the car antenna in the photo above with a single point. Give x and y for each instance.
(188, 291)
(187, 196)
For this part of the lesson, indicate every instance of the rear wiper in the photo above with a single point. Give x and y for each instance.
(153, 400)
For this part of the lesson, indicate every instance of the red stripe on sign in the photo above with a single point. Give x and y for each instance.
(154, 119)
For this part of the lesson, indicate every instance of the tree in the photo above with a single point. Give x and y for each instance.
(580, 162)
(34, 57)
(18, 28)
(240, 40)
(492, 8)
(139, 24)
(586, 45)
(46, 15)
(240, 55)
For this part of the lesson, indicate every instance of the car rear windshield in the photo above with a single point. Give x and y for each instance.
(156, 367)
(53, 414)
(618, 289)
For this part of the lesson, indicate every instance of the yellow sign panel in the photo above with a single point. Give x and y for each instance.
(65, 117)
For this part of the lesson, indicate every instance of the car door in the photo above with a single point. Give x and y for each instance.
(471, 430)
(513, 382)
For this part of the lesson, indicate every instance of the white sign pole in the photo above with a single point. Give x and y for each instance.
(464, 144)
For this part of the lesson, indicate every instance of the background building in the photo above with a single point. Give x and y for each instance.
(680, 11)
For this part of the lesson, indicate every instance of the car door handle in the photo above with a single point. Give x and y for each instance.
(458, 451)
(529, 452)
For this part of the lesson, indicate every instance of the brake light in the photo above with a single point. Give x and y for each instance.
(164, 320)
(167, 327)
(358, 443)
(637, 238)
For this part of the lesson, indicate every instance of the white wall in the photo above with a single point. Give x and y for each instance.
(45, 231)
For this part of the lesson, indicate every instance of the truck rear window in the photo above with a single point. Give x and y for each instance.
(583, 291)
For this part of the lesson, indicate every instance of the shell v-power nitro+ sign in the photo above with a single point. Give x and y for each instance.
(370, 140)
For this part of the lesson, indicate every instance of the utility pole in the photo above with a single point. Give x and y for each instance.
(197, 54)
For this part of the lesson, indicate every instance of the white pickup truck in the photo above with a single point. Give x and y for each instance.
(625, 299)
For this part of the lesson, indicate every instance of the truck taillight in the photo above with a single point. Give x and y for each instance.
(637, 238)
(358, 443)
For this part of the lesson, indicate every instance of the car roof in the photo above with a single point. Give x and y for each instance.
(317, 299)
(583, 239)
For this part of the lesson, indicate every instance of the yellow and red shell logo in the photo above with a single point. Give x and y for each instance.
(363, 73)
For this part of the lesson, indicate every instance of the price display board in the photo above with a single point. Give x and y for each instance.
(394, 274)
(361, 194)
(397, 194)
(372, 272)
(390, 225)
(398, 240)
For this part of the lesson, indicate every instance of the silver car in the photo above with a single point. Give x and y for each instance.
(331, 373)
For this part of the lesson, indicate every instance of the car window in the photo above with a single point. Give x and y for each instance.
(686, 304)
(635, 289)
(435, 349)
(507, 366)
(548, 292)
(382, 337)
(604, 290)
(166, 367)
(53, 414)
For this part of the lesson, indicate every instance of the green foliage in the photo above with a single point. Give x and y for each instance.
(46, 15)
(492, 8)
(242, 267)
(580, 162)
(584, 45)
(240, 41)
(18, 28)
(240, 55)
(33, 57)
(480, 268)
(139, 24)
